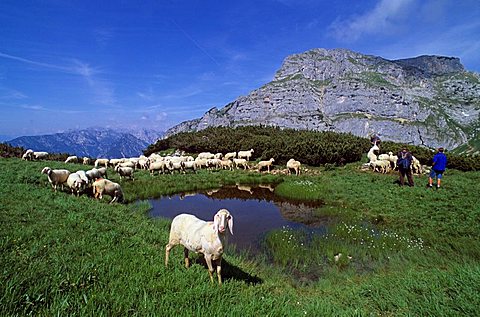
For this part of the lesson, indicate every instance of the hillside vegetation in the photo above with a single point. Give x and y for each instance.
(414, 251)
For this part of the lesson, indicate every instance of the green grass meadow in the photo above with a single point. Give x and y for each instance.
(405, 251)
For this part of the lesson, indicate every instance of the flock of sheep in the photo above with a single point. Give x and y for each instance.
(383, 163)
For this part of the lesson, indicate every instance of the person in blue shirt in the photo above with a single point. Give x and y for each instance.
(439, 164)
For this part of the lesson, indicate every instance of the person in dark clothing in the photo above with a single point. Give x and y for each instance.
(404, 164)
(375, 140)
(439, 164)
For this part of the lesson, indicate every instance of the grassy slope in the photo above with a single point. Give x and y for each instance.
(76, 256)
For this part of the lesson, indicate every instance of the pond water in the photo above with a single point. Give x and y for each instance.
(255, 210)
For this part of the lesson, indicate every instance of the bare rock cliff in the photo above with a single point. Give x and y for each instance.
(426, 100)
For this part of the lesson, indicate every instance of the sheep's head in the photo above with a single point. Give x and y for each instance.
(46, 170)
(221, 220)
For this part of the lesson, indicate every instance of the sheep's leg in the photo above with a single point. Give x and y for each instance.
(187, 261)
(168, 247)
(208, 259)
(219, 271)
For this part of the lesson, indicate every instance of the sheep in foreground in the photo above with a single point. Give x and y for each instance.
(76, 183)
(293, 165)
(56, 177)
(245, 154)
(125, 172)
(262, 164)
(71, 159)
(104, 186)
(205, 237)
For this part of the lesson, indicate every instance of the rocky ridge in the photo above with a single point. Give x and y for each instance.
(426, 100)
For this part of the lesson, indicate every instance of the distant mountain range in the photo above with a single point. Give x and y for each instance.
(93, 142)
(425, 100)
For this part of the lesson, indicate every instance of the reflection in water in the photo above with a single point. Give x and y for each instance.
(256, 210)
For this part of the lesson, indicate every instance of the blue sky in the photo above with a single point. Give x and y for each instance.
(152, 64)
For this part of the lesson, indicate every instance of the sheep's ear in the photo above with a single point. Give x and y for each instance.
(215, 222)
(230, 224)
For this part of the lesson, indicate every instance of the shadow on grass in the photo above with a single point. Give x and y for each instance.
(232, 272)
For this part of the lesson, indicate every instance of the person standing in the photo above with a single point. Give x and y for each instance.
(439, 164)
(404, 163)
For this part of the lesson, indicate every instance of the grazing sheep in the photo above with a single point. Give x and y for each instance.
(241, 162)
(103, 172)
(293, 165)
(158, 167)
(40, 155)
(93, 175)
(28, 155)
(103, 162)
(245, 154)
(105, 186)
(382, 165)
(189, 165)
(201, 163)
(86, 160)
(71, 159)
(173, 166)
(202, 237)
(75, 182)
(56, 177)
(263, 164)
(114, 162)
(83, 176)
(230, 155)
(125, 172)
(226, 164)
(214, 163)
(126, 164)
(389, 157)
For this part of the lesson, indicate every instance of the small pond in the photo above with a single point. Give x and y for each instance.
(256, 211)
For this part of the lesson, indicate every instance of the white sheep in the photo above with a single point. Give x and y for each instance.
(40, 155)
(389, 157)
(105, 186)
(71, 159)
(214, 163)
(158, 166)
(86, 160)
(293, 165)
(416, 165)
(76, 183)
(101, 161)
(93, 175)
(125, 172)
(226, 164)
(56, 177)
(205, 237)
(371, 153)
(103, 172)
(241, 162)
(201, 162)
(205, 155)
(28, 155)
(263, 164)
(189, 165)
(382, 165)
(245, 154)
(230, 155)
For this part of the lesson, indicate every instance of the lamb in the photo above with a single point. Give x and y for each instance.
(56, 177)
(75, 182)
(241, 162)
(263, 164)
(103, 162)
(245, 154)
(125, 172)
(202, 237)
(230, 155)
(71, 159)
(293, 165)
(108, 187)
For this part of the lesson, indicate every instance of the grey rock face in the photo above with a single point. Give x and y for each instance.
(427, 100)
